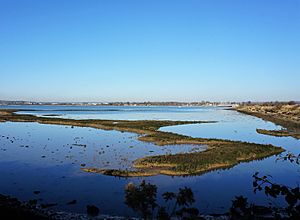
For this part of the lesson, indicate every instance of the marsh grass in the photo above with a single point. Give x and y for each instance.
(219, 153)
(285, 115)
(279, 133)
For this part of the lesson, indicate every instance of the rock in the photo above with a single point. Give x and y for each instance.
(32, 202)
(92, 210)
(44, 206)
(73, 202)
(36, 192)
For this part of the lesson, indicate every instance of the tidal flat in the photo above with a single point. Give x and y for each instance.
(51, 158)
(283, 114)
(219, 153)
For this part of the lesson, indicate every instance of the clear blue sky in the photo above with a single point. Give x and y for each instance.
(155, 50)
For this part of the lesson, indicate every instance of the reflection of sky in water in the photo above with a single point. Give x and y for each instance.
(239, 127)
(127, 113)
(48, 144)
(59, 178)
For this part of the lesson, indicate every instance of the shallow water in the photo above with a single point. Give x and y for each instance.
(124, 112)
(48, 158)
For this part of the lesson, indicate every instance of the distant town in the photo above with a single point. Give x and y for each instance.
(201, 103)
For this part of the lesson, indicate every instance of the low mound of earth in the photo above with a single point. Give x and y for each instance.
(285, 115)
(220, 154)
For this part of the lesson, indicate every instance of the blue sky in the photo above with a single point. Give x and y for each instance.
(155, 50)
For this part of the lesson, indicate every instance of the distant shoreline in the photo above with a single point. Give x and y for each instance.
(224, 106)
(231, 104)
(128, 105)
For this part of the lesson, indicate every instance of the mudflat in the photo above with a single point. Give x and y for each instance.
(219, 153)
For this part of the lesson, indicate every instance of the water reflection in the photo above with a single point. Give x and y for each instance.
(48, 158)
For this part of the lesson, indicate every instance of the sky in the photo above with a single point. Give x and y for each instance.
(150, 50)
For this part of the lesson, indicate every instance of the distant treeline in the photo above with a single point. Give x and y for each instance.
(201, 103)
(2, 102)
(273, 103)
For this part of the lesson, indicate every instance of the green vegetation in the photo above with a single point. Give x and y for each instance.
(12, 208)
(274, 190)
(140, 127)
(142, 199)
(278, 133)
(219, 153)
(120, 173)
(286, 115)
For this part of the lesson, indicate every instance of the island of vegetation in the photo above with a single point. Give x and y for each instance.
(219, 153)
(286, 115)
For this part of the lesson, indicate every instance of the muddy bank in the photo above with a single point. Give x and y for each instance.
(285, 115)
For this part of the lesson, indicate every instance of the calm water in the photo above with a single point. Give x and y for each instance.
(48, 158)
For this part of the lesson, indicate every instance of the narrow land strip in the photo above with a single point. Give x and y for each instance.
(285, 115)
(219, 153)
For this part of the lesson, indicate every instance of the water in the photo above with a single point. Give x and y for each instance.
(48, 158)
(123, 113)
